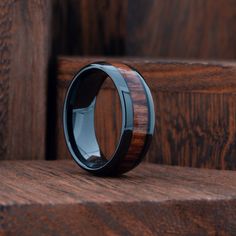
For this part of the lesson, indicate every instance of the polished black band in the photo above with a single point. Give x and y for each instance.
(78, 118)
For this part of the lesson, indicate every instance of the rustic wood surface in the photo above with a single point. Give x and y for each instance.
(195, 104)
(183, 29)
(163, 28)
(59, 198)
(151, 28)
(90, 27)
(24, 49)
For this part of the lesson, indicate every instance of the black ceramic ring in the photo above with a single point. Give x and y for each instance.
(138, 118)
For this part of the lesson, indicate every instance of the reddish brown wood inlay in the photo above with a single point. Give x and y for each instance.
(140, 112)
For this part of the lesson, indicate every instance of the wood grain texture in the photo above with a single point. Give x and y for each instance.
(5, 58)
(195, 105)
(141, 117)
(58, 198)
(24, 52)
(90, 27)
(159, 28)
(181, 29)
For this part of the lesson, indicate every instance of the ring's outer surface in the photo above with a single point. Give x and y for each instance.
(137, 118)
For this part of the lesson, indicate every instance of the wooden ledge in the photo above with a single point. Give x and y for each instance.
(165, 75)
(195, 104)
(57, 197)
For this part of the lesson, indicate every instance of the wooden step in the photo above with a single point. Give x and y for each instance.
(195, 105)
(59, 198)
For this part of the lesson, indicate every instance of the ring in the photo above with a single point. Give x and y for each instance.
(138, 118)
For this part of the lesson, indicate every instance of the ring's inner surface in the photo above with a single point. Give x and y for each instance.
(82, 109)
(108, 118)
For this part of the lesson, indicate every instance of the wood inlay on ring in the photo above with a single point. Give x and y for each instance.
(141, 116)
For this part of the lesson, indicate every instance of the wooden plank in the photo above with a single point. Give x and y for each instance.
(160, 28)
(5, 24)
(195, 104)
(181, 29)
(57, 198)
(91, 27)
(24, 53)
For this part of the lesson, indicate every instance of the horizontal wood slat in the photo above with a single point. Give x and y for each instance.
(59, 198)
(195, 105)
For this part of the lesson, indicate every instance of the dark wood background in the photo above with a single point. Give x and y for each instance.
(182, 29)
(34, 33)
(24, 55)
(152, 28)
